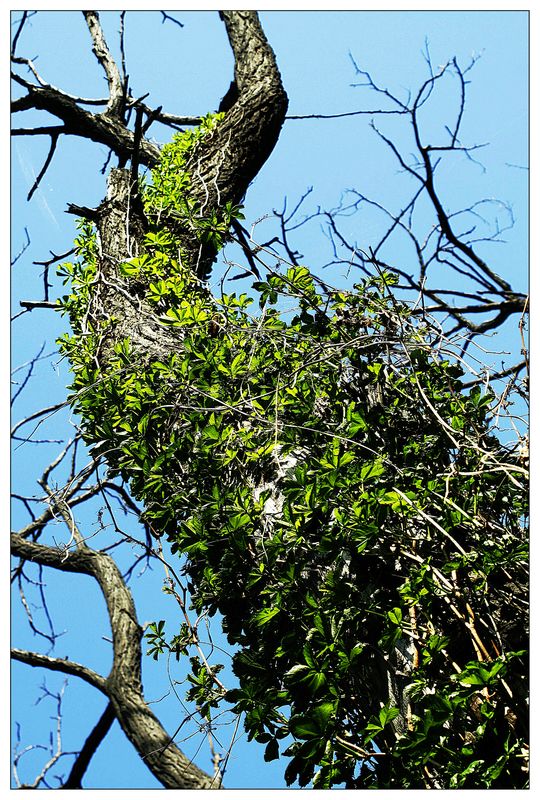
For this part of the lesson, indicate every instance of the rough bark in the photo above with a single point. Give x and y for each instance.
(99, 128)
(221, 169)
(123, 685)
(227, 164)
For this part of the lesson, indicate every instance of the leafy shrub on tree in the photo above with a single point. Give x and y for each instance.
(327, 464)
(336, 488)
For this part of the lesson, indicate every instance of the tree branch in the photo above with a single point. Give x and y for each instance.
(96, 736)
(54, 141)
(48, 130)
(229, 160)
(25, 246)
(158, 115)
(166, 17)
(26, 15)
(101, 51)
(29, 305)
(123, 685)
(100, 128)
(60, 665)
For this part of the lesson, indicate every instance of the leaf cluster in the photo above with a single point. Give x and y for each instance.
(339, 498)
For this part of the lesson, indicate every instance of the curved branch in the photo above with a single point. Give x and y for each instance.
(229, 160)
(123, 686)
(60, 665)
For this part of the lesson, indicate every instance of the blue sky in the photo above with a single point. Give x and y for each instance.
(187, 70)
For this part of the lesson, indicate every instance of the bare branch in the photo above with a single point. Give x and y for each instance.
(55, 752)
(25, 246)
(48, 130)
(29, 305)
(26, 15)
(31, 364)
(123, 685)
(174, 120)
(368, 112)
(101, 51)
(51, 636)
(445, 223)
(94, 739)
(504, 373)
(166, 17)
(100, 128)
(82, 211)
(125, 76)
(54, 142)
(43, 412)
(60, 665)
(30, 64)
(54, 258)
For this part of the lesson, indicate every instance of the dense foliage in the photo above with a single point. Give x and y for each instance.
(339, 497)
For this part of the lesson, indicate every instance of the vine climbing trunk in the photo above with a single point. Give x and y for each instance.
(331, 487)
(219, 168)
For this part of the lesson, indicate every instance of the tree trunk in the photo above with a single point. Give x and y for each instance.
(221, 169)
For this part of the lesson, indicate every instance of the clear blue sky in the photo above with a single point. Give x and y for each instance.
(187, 70)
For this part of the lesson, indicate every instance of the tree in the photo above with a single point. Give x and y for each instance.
(338, 465)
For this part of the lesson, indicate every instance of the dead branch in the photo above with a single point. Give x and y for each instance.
(54, 141)
(25, 246)
(101, 51)
(25, 16)
(166, 17)
(55, 752)
(30, 305)
(77, 121)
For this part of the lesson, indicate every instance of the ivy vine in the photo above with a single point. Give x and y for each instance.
(338, 496)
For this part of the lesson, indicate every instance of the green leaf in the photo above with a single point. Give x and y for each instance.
(304, 727)
(372, 469)
(271, 751)
(296, 673)
(315, 680)
(387, 714)
(264, 616)
(395, 616)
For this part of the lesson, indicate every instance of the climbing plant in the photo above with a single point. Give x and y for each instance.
(340, 498)
(325, 462)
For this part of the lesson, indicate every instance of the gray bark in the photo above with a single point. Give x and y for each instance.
(221, 167)
(123, 686)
